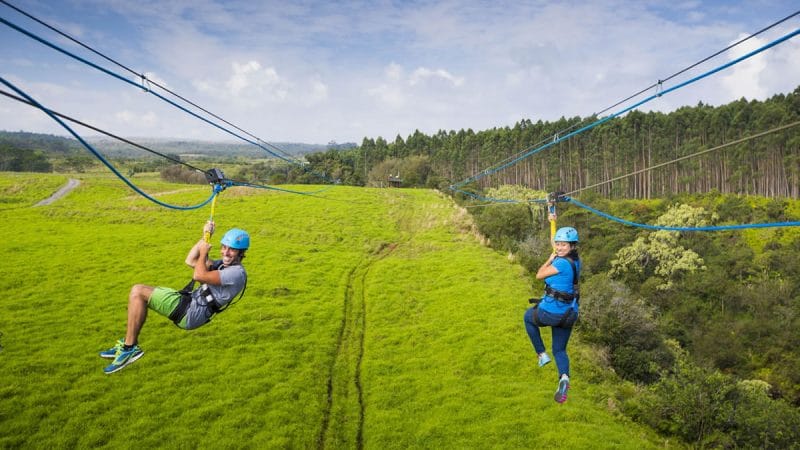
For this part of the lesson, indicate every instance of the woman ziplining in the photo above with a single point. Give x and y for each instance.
(558, 307)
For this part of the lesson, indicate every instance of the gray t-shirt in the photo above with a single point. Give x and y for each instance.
(232, 278)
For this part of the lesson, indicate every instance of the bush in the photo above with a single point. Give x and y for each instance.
(612, 317)
(505, 225)
(181, 174)
(711, 409)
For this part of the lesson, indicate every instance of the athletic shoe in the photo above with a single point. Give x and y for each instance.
(123, 358)
(112, 352)
(563, 387)
(543, 359)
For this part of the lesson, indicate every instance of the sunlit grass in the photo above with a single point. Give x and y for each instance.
(364, 289)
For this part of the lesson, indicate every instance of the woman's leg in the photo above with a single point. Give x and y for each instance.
(533, 332)
(560, 340)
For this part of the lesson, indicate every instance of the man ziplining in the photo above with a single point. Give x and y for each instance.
(220, 281)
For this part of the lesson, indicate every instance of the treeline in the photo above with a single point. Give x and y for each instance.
(768, 166)
(31, 152)
(702, 325)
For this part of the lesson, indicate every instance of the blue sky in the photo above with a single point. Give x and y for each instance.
(320, 71)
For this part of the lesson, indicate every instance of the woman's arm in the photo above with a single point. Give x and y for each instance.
(547, 269)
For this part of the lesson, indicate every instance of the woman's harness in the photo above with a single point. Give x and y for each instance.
(186, 297)
(564, 297)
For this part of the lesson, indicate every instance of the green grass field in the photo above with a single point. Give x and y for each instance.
(372, 318)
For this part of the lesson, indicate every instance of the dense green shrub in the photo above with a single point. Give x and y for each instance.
(505, 225)
(615, 318)
(713, 410)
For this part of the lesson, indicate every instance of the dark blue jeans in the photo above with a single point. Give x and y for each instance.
(560, 337)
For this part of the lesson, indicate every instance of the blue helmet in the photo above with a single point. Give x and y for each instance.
(566, 234)
(236, 238)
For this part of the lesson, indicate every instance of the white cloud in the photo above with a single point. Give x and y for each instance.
(743, 79)
(422, 74)
(248, 84)
(147, 120)
(319, 91)
(152, 77)
(423, 87)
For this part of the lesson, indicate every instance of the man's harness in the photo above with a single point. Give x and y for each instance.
(186, 297)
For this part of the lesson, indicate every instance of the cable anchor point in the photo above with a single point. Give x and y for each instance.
(216, 178)
(556, 197)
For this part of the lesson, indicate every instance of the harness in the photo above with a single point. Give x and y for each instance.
(561, 296)
(186, 298)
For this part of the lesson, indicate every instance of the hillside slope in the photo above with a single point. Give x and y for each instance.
(372, 318)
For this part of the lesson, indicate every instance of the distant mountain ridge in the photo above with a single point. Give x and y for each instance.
(113, 148)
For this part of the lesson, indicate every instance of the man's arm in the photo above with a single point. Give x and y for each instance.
(201, 272)
(194, 253)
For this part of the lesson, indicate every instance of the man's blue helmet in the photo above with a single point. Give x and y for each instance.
(236, 238)
(566, 234)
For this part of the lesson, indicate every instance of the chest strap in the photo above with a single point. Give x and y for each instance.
(179, 313)
(565, 296)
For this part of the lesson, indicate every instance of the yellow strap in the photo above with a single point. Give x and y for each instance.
(553, 233)
(207, 235)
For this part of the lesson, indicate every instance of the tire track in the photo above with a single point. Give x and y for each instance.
(343, 416)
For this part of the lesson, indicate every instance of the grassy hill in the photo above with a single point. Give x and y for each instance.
(372, 318)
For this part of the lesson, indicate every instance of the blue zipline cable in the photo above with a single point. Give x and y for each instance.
(136, 74)
(525, 155)
(122, 78)
(98, 155)
(642, 225)
(217, 189)
(669, 228)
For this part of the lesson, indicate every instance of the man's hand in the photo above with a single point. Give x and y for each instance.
(203, 248)
(209, 228)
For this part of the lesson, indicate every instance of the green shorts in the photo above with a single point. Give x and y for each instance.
(164, 301)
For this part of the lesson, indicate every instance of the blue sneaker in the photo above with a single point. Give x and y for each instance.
(563, 387)
(112, 352)
(543, 359)
(123, 358)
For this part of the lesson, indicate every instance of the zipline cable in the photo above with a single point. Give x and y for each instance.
(487, 172)
(182, 108)
(111, 135)
(671, 228)
(177, 161)
(660, 82)
(539, 147)
(100, 156)
(137, 74)
(230, 182)
(495, 201)
(693, 155)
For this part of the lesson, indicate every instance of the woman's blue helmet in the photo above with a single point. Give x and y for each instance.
(236, 238)
(566, 234)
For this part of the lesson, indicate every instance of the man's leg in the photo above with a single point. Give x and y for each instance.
(137, 311)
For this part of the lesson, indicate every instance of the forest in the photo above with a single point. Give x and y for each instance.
(768, 165)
